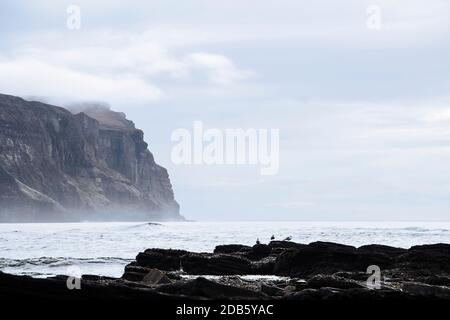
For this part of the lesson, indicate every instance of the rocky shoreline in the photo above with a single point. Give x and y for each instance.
(280, 270)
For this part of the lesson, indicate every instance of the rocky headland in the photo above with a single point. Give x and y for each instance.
(89, 163)
(280, 270)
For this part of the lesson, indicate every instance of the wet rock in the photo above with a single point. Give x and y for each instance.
(315, 258)
(162, 259)
(382, 249)
(436, 280)
(332, 281)
(201, 287)
(271, 290)
(155, 276)
(326, 258)
(264, 266)
(426, 290)
(427, 257)
(221, 264)
(231, 248)
(259, 251)
(285, 245)
(333, 272)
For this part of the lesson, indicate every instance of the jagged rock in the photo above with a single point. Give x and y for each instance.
(354, 295)
(155, 276)
(201, 287)
(427, 257)
(55, 289)
(318, 261)
(191, 263)
(231, 248)
(382, 249)
(264, 265)
(304, 295)
(426, 290)
(326, 258)
(162, 259)
(298, 261)
(259, 251)
(285, 245)
(320, 281)
(436, 280)
(221, 264)
(60, 166)
(271, 290)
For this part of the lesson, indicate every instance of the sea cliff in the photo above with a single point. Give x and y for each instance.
(85, 164)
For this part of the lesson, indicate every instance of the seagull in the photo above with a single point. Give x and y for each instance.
(272, 237)
(288, 238)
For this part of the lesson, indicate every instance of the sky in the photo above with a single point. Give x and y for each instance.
(359, 91)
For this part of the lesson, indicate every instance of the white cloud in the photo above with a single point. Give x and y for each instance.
(442, 114)
(35, 77)
(219, 68)
(121, 73)
(364, 143)
(295, 204)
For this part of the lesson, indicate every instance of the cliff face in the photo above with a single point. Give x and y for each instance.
(57, 165)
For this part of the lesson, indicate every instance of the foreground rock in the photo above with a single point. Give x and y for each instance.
(319, 271)
(88, 164)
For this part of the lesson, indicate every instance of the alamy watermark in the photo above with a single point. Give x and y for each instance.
(374, 280)
(227, 147)
(74, 17)
(74, 279)
(373, 21)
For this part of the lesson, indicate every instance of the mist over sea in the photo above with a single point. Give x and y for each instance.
(47, 249)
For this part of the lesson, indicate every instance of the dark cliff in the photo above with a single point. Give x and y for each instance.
(57, 165)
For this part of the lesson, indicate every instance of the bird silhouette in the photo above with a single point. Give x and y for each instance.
(272, 237)
(257, 241)
(288, 238)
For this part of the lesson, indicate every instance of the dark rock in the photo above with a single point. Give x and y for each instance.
(60, 166)
(231, 248)
(320, 281)
(436, 280)
(285, 245)
(193, 263)
(162, 259)
(334, 273)
(304, 295)
(426, 290)
(259, 251)
(221, 264)
(316, 258)
(381, 249)
(271, 290)
(155, 276)
(201, 287)
(92, 277)
(357, 275)
(55, 289)
(354, 295)
(326, 258)
(427, 257)
(264, 266)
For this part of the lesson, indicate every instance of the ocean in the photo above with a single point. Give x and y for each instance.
(48, 249)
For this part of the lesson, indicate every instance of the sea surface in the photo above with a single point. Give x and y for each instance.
(47, 249)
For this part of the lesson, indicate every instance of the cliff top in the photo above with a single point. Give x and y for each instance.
(104, 115)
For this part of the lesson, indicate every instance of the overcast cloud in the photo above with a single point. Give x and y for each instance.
(364, 115)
